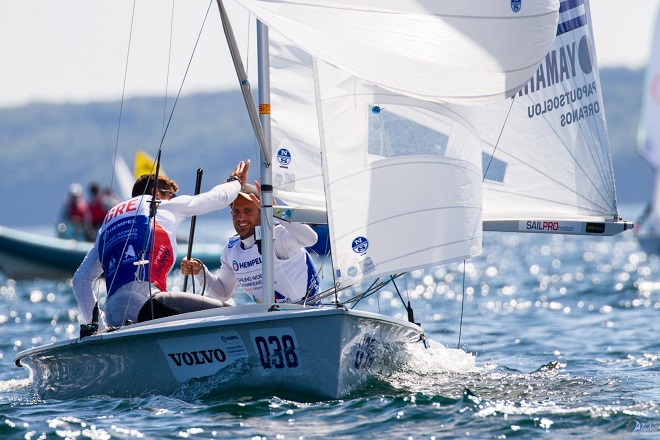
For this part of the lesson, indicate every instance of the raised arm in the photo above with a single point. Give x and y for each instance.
(218, 197)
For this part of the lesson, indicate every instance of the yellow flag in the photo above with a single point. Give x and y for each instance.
(145, 164)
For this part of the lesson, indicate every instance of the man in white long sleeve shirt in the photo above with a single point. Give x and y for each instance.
(295, 276)
(136, 252)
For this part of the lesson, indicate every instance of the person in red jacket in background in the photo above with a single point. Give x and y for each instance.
(76, 220)
(98, 205)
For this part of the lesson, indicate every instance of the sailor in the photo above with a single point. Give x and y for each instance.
(295, 275)
(98, 205)
(136, 251)
(76, 219)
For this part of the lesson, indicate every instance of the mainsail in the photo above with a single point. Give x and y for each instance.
(546, 151)
(463, 52)
(546, 162)
(649, 130)
(401, 173)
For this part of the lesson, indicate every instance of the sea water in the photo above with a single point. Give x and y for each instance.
(542, 336)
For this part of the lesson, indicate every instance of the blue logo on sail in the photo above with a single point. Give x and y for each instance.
(284, 156)
(360, 245)
(572, 15)
(516, 5)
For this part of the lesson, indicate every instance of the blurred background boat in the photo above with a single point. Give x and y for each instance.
(27, 255)
(647, 229)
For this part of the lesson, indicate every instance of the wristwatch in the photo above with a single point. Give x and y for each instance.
(232, 178)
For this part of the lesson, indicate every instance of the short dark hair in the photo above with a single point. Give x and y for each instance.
(145, 184)
(94, 188)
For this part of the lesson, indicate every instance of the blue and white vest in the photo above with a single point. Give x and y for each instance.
(293, 277)
(125, 234)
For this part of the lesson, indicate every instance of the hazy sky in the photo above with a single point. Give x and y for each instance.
(75, 50)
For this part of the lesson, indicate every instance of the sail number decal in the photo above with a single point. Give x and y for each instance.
(364, 356)
(277, 349)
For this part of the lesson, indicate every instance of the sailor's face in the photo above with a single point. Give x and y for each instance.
(245, 215)
(165, 194)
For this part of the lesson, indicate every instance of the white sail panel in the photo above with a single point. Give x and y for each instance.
(649, 129)
(125, 179)
(651, 224)
(296, 149)
(648, 139)
(402, 181)
(464, 52)
(546, 152)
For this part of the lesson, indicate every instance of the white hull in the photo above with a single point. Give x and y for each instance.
(321, 352)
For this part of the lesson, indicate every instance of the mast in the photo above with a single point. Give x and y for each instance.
(261, 129)
(266, 169)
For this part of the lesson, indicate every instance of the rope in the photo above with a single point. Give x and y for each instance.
(162, 139)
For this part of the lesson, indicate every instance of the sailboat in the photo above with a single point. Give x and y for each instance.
(390, 139)
(647, 230)
(28, 255)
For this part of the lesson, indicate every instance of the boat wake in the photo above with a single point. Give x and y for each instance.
(451, 377)
(435, 357)
(15, 385)
(208, 386)
(426, 368)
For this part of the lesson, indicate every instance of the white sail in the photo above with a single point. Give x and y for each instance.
(296, 147)
(401, 177)
(124, 177)
(546, 151)
(649, 129)
(402, 180)
(384, 158)
(648, 142)
(464, 51)
(545, 155)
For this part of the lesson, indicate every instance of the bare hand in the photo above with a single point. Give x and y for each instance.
(190, 266)
(241, 171)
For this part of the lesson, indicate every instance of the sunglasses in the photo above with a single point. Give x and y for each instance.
(167, 191)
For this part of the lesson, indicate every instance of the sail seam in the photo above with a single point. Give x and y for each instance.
(407, 213)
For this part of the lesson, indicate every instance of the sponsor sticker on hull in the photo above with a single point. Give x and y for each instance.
(199, 356)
